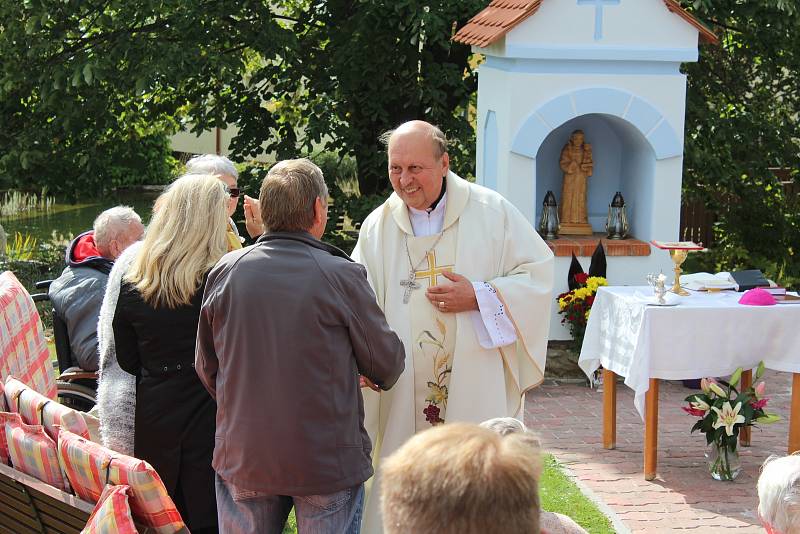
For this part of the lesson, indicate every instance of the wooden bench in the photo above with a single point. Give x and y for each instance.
(29, 506)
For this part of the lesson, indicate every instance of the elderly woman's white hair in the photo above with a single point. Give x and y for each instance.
(779, 494)
(505, 425)
(211, 164)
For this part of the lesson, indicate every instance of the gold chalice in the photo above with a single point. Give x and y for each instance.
(678, 256)
(678, 250)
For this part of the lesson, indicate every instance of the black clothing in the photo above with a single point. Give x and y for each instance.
(174, 428)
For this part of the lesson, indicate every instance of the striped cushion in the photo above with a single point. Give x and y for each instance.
(90, 466)
(6, 416)
(33, 452)
(37, 409)
(112, 515)
(22, 344)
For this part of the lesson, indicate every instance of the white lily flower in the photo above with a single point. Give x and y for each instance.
(728, 417)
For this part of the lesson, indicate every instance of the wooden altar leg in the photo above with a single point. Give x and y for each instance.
(794, 415)
(609, 409)
(651, 431)
(744, 432)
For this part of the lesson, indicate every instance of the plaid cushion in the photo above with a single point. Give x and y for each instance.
(33, 452)
(89, 466)
(112, 515)
(37, 409)
(6, 416)
(22, 344)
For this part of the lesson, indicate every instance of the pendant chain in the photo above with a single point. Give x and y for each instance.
(424, 256)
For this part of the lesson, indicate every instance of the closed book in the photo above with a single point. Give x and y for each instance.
(775, 291)
(749, 279)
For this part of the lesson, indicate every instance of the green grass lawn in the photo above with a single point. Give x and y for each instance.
(558, 494)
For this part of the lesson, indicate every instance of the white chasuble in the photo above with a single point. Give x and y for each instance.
(486, 239)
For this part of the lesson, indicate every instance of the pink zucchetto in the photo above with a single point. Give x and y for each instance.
(757, 297)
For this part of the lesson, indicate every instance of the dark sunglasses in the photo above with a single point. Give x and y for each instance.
(234, 192)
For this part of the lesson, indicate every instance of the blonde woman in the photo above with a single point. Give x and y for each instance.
(154, 327)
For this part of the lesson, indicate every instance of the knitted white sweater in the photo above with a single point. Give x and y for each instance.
(116, 389)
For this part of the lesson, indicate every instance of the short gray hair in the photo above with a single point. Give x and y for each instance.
(111, 223)
(438, 139)
(779, 493)
(505, 426)
(288, 194)
(211, 164)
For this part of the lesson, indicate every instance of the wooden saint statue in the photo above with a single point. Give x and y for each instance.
(577, 164)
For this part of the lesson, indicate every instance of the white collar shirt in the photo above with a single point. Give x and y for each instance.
(426, 222)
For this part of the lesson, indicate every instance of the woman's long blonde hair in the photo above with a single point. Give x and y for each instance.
(184, 240)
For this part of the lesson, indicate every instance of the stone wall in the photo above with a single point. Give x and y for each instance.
(562, 360)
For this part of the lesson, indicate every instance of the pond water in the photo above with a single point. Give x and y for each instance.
(64, 221)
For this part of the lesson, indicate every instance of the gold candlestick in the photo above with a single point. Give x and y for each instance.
(678, 257)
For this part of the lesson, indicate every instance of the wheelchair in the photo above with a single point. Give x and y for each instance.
(76, 387)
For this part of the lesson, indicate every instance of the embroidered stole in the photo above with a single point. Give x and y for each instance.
(433, 333)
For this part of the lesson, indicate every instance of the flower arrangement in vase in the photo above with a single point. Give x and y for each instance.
(723, 410)
(575, 305)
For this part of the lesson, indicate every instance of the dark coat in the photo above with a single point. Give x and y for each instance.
(286, 327)
(77, 296)
(174, 428)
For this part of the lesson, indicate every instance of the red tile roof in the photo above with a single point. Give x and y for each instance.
(500, 16)
(495, 21)
(706, 35)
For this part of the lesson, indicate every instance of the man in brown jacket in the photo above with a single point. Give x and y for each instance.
(286, 328)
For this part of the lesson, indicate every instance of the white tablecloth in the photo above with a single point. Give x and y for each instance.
(706, 334)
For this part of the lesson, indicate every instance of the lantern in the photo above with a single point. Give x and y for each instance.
(548, 225)
(617, 221)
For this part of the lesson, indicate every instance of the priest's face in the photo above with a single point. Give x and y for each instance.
(415, 169)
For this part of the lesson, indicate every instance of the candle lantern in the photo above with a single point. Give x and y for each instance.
(548, 225)
(617, 221)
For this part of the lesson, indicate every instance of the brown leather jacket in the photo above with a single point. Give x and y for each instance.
(285, 329)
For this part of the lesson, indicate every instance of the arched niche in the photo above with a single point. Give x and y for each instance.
(630, 139)
(623, 161)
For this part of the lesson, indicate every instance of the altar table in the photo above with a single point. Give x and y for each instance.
(706, 334)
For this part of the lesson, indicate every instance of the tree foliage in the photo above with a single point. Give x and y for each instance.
(742, 118)
(89, 88)
(363, 67)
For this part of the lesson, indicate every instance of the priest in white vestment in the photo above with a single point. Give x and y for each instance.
(466, 283)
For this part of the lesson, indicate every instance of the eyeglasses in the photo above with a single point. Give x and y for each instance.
(234, 192)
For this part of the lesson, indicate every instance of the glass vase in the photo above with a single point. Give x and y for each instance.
(723, 461)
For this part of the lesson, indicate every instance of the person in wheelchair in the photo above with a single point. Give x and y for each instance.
(78, 293)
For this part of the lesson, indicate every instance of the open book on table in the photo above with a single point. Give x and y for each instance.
(737, 280)
(707, 281)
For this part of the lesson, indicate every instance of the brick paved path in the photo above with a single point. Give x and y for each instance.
(568, 418)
